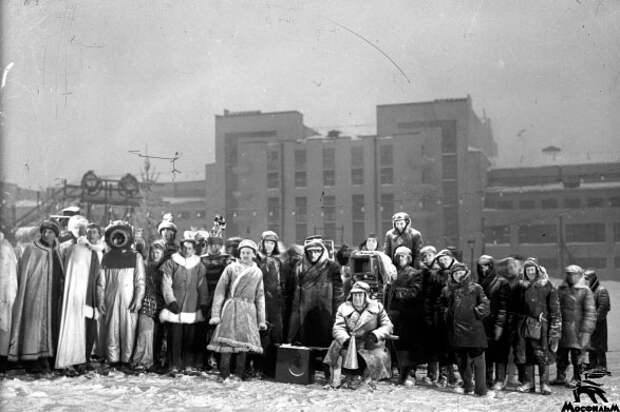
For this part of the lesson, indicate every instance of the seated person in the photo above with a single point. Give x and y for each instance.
(360, 330)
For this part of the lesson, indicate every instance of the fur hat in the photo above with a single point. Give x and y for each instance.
(458, 266)
(270, 235)
(402, 250)
(51, 225)
(361, 287)
(428, 249)
(167, 223)
(249, 244)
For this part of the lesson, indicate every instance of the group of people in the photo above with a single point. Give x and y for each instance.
(202, 302)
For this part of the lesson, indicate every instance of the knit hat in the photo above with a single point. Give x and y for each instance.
(49, 224)
(249, 244)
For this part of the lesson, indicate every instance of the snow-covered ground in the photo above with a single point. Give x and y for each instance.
(159, 393)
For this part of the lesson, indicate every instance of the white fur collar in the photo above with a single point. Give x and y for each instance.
(188, 263)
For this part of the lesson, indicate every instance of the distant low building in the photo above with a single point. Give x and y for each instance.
(560, 214)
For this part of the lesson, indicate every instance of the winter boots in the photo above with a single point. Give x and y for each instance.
(529, 384)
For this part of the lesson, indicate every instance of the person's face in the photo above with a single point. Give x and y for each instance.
(371, 244)
(459, 275)
(168, 234)
(246, 255)
(530, 272)
(484, 268)
(444, 261)
(589, 277)
(188, 249)
(93, 235)
(49, 236)
(400, 225)
(403, 260)
(270, 246)
(427, 258)
(158, 255)
(358, 299)
(213, 249)
(572, 278)
(314, 254)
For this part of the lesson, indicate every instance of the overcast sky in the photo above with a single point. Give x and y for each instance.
(91, 80)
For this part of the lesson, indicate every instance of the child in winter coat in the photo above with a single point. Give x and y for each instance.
(465, 307)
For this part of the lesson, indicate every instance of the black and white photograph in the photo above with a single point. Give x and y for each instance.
(305, 205)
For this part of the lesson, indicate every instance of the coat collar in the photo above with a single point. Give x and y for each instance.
(372, 308)
(187, 263)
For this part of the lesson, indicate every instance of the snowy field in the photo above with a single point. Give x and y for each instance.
(156, 393)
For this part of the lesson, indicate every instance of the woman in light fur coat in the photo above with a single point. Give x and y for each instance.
(238, 310)
(186, 294)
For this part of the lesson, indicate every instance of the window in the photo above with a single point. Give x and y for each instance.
(590, 262)
(489, 203)
(595, 202)
(329, 231)
(301, 232)
(572, 203)
(329, 158)
(450, 193)
(527, 204)
(448, 163)
(273, 180)
(497, 235)
(357, 176)
(504, 204)
(357, 165)
(387, 175)
(386, 155)
(300, 159)
(616, 232)
(358, 214)
(202, 213)
(538, 234)
(329, 177)
(273, 161)
(549, 203)
(300, 179)
(585, 232)
(614, 201)
(183, 214)
(448, 140)
(301, 209)
(273, 210)
(387, 210)
(450, 220)
(329, 208)
(617, 262)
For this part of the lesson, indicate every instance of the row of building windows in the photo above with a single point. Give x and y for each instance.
(548, 233)
(551, 203)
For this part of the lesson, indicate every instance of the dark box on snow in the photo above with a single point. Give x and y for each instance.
(294, 365)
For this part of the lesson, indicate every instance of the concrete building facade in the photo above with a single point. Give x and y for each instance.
(427, 159)
(559, 214)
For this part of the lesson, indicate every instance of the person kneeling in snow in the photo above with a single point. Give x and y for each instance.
(360, 330)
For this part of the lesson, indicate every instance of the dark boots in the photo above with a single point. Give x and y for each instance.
(543, 370)
(500, 376)
(479, 366)
(528, 379)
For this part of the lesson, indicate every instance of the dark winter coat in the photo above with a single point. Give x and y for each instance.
(405, 306)
(497, 290)
(270, 266)
(465, 306)
(288, 284)
(578, 313)
(538, 297)
(435, 322)
(316, 295)
(153, 300)
(214, 266)
(408, 237)
(598, 341)
(351, 324)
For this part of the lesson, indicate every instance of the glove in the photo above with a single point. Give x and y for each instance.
(584, 341)
(101, 308)
(262, 326)
(214, 321)
(205, 311)
(498, 332)
(174, 307)
(135, 306)
(553, 344)
(372, 338)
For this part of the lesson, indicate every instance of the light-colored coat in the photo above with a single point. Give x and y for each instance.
(184, 281)
(8, 291)
(355, 325)
(239, 306)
